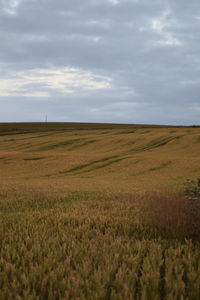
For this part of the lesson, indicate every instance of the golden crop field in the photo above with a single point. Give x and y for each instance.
(72, 224)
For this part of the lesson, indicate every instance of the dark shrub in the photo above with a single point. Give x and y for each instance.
(192, 188)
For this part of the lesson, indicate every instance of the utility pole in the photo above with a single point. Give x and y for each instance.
(46, 118)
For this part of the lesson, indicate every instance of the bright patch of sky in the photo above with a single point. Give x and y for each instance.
(47, 82)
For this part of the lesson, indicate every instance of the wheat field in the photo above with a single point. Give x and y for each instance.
(72, 226)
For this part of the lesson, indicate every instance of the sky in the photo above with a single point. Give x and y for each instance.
(116, 61)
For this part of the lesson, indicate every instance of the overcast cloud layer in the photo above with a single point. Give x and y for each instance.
(130, 61)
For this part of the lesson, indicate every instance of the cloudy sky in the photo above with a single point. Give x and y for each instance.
(122, 61)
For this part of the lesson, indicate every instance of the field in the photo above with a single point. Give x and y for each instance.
(72, 223)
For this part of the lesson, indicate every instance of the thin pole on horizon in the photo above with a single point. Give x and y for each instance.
(46, 118)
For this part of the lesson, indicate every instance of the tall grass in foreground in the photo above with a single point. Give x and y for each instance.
(92, 246)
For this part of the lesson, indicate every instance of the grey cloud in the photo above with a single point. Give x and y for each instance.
(115, 40)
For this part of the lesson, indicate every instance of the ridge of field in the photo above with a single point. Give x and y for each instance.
(54, 126)
(83, 156)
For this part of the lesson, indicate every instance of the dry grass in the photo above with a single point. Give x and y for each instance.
(173, 216)
(71, 218)
(121, 158)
